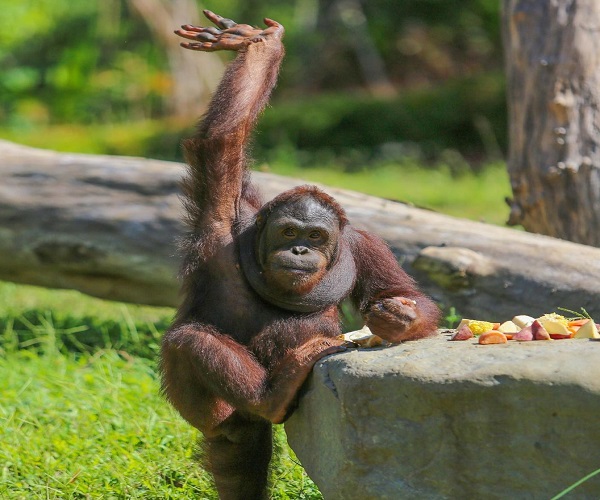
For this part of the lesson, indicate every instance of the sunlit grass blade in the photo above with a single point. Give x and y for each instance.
(576, 484)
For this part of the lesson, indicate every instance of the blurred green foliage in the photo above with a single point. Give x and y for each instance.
(423, 124)
(96, 62)
(81, 62)
(466, 115)
(421, 42)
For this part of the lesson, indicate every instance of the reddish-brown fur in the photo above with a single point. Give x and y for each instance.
(232, 363)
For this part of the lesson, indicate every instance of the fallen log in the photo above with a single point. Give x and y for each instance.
(107, 226)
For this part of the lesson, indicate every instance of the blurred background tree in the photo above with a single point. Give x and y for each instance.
(362, 80)
(553, 67)
(192, 80)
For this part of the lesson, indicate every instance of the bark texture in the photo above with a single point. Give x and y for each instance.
(552, 50)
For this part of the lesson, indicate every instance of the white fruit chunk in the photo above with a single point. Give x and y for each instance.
(523, 320)
(364, 338)
(509, 327)
(588, 331)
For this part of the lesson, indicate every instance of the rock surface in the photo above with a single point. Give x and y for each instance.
(434, 419)
(107, 226)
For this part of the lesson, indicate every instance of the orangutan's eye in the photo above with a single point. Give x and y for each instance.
(315, 235)
(289, 232)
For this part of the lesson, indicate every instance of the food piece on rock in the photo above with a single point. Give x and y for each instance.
(523, 320)
(576, 324)
(492, 337)
(524, 334)
(587, 331)
(476, 326)
(508, 327)
(463, 322)
(539, 332)
(560, 336)
(463, 333)
(364, 338)
(555, 324)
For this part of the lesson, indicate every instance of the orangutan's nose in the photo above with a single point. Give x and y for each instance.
(299, 250)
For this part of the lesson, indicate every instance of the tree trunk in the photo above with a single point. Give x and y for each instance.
(352, 16)
(351, 53)
(194, 78)
(552, 50)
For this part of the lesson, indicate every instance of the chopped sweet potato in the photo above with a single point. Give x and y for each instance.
(492, 337)
(578, 322)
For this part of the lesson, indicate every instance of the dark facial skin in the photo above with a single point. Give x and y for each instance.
(297, 244)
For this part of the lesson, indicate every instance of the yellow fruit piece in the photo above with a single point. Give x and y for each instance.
(588, 331)
(554, 323)
(479, 327)
(554, 317)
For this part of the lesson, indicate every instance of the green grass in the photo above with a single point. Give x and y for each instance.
(90, 426)
(70, 321)
(85, 420)
(157, 139)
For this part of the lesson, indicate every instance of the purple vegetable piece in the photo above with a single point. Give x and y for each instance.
(539, 332)
(523, 335)
(463, 333)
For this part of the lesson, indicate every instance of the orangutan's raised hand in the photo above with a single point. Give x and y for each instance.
(228, 36)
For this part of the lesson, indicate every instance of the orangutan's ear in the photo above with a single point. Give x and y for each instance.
(259, 221)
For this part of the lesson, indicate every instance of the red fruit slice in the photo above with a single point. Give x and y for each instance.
(539, 332)
(523, 335)
(463, 333)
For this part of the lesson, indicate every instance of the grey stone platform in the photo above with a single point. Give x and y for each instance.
(435, 419)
